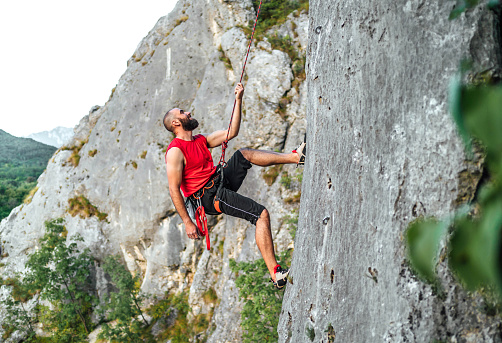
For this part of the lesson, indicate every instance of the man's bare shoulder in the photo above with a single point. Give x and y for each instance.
(174, 156)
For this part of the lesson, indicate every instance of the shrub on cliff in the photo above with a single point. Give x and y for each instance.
(58, 276)
(262, 302)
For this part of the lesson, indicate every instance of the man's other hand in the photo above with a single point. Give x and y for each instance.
(191, 230)
(239, 91)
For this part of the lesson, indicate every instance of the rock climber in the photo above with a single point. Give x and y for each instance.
(190, 167)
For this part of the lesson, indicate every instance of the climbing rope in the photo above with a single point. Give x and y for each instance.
(200, 214)
(224, 145)
(200, 217)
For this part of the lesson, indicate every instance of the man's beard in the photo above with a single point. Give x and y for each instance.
(189, 124)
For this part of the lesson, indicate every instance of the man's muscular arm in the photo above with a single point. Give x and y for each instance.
(174, 165)
(216, 138)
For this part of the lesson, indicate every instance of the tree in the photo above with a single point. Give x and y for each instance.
(123, 308)
(60, 273)
(19, 316)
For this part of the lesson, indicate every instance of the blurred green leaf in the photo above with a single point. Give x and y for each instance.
(456, 12)
(475, 247)
(493, 3)
(455, 99)
(461, 6)
(423, 238)
(481, 111)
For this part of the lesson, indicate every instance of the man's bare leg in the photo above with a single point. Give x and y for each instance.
(264, 242)
(265, 158)
(263, 234)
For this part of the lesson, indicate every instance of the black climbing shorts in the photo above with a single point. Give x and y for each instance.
(230, 202)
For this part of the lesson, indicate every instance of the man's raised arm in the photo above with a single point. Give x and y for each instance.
(174, 165)
(216, 138)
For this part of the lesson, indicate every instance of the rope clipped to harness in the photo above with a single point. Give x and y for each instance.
(200, 217)
(224, 145)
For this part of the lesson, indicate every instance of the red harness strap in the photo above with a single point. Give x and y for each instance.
(200, 216)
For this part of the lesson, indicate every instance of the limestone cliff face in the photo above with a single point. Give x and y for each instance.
(121, 147)
(383, 150)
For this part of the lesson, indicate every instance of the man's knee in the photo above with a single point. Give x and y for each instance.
(264, 215)
(246, 153)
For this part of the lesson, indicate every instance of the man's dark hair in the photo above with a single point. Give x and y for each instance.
(168, 118)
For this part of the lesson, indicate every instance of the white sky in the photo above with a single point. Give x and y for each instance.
(59, 58)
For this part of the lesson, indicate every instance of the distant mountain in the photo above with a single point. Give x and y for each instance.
(22, 160)
(23, 151)
(55, 137)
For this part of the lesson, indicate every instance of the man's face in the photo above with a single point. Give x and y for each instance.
(187, 122)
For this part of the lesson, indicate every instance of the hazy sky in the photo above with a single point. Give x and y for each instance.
(60, 58)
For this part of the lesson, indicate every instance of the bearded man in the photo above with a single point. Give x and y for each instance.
(190, 168)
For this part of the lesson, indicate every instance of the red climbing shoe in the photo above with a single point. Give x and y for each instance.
(281, 277)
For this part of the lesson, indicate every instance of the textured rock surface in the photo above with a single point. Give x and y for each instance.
(122, 172)
(383, 150)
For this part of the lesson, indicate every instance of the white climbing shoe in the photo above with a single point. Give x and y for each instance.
(302, 152)
(281, 277)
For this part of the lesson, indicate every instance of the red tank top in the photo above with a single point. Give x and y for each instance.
(199, 163)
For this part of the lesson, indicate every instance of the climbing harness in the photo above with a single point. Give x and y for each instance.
(200, 214)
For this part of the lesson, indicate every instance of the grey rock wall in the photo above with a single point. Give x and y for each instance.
(122, 171)
(383, 150)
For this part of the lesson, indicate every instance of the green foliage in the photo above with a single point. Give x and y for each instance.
(286, 180)
(18, 316)
(181, 20)
(310, 333)
(274, 12)
(285, 44)
(293, 199)
(30, 195)
(224, 58)
(474, 247)
(480, 115)
(260, 315)
(292, 221)
(299, 176)
(23, 151)
(270, 174)
(82, 207)
(331, 333)
(210, 296)
(60, 273)
(220, 246)
(74, 158)
(182, 330)
(123, 308)
(22, 160)
(423, 238)
(463, 5)
(14, 191)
